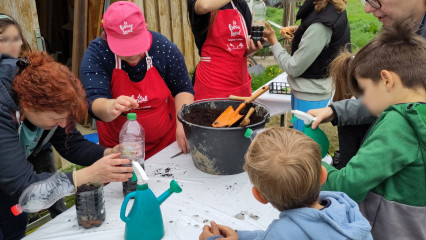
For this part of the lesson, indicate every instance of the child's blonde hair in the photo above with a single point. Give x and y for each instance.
(285, 166)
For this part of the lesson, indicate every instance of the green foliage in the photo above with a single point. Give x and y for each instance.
(270, 73)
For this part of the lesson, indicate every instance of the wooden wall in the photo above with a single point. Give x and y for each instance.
(170, 18)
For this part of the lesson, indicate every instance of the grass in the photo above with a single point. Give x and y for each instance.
(270, 73)
(364, 26)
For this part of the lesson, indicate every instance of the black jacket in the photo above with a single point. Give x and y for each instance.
(341, 37)
(16, 172)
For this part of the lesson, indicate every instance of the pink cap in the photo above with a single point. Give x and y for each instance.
(126, 30)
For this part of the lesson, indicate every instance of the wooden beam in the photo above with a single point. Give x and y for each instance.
(188, 50)
(164, 18)
(150, 8)
(177, 23)
(140, 4)
(95, 11)
(79, 34)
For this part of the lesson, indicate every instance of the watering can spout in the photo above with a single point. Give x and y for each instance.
(174, 188)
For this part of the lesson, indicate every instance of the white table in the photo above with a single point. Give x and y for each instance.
(278, 104)
(204, 197)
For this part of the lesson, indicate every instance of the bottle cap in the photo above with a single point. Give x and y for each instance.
(131, 116)
(16, 210)
(248, 133)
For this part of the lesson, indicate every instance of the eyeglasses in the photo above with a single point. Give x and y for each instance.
(374, 3)
(8, 41)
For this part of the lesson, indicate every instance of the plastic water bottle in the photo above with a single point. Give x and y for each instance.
(132, 147)
(252, 134)
(259, 16)
(41, 195)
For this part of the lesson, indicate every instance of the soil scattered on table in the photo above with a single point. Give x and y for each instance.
(206, 117)
(166, 172)
(242, 215)
(229, 186)
(255, 217)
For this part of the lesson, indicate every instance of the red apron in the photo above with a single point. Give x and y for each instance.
(222, 70)
(156, 112)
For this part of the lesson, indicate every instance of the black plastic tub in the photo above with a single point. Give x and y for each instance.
(219, 151)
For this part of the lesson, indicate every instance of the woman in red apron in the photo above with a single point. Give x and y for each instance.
(221, 34)
(131, 69)
(155, 110)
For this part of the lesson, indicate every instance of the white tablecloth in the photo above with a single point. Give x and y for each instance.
(225, 199)
(277, 103)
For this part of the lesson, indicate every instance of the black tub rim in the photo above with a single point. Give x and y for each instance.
(265, 118)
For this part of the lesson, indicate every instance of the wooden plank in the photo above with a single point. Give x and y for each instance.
(177, 36)
(140, 4)
(188, 51)
(25, 13)
(95, 8)
(164, 18)
(79, 34)
(150, 7)
(100, 15)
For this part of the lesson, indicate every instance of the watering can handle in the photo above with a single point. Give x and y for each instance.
(123, 216)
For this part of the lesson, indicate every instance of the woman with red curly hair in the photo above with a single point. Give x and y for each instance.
(40, 102)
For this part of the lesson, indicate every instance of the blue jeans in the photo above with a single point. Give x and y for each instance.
(305, 106)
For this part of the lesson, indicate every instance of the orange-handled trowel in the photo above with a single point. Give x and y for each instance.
(229, 116)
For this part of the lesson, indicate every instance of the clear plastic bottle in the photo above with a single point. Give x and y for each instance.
(132, 147)
(41, 195)
(252, 134)
(259, 16)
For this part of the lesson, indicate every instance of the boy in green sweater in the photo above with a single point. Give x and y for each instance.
(387, 176)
